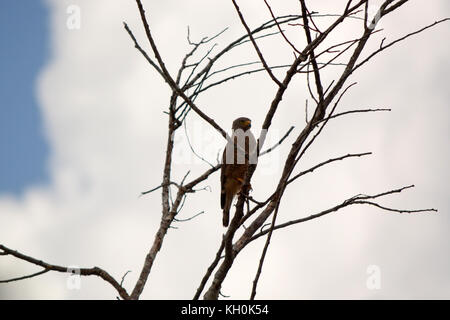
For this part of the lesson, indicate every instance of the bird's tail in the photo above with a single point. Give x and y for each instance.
(226, 208)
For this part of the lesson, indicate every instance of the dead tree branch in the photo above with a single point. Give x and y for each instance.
(358, 199)
(258, 51)
(197, 74)
(95, 271)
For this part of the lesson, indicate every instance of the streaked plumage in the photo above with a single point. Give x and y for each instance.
(235, 164)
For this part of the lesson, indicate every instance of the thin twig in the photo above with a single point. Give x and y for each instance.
(263, 254)
(393, 209)
(192, 148)
(190, 218)
(123, 277)
(320, 118)
(353, 111)
(327, 162)
(311, 55)
(267, 25)
(238, 75)
(279, 142)
(396, 41)
(261, 57)
(279, 28)
(26, 277)
(158, 187)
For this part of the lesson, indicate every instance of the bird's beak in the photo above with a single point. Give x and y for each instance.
(248, 124)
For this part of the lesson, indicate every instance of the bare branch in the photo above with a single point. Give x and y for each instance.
(308, 84)
(164, 226)
(350, 155)
(354, 111)
(230, 249)
(190, 218)
(192, 148)
(156, 188)
(358, 199)
(96, 271)
(311, 52)
(393, 7)
(269, 71)
(232, 67)
(123, 277)
(263, 254)
(196, 74)
(195, 65)
(318, 118)
(239, 41)
(202, 177)
(279, 28)
(293, 69)
(209, 271)
(395, 210)
(278, 143)
(142, 51)
(169, 213)
(235, 76)
(25, 277)
(166, 75)
(397, 41)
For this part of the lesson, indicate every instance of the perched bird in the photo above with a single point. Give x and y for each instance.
(239, 153)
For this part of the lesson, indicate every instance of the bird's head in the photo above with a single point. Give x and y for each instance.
(242, 123)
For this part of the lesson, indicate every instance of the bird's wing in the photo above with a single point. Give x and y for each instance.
(223, 179)
(253, 147)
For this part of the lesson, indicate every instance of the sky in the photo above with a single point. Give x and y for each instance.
(22, 140)
(83, 132)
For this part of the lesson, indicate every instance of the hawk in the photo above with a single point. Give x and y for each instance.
(239, 153)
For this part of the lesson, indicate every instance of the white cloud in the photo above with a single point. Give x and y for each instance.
(103, 111)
